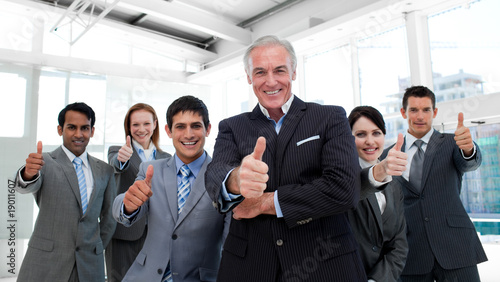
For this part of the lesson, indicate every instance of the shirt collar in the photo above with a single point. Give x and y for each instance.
(72, 156)
(364, 163)
(284, 108)
(410, 138)
(138, 147)
(194, 166)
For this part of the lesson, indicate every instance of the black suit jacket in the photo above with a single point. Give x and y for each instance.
(438, 227)
(382, 237)
(314, 167)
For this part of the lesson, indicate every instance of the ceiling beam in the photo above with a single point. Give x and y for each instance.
(191, 18)
(174, 47)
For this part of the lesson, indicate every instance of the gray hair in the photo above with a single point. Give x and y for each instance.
(269, 40)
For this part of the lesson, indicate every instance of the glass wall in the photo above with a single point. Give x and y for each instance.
(465, 50)
(384, 69)
(328, 79)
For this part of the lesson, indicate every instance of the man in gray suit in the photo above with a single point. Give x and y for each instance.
(443, 243)
(185, 232)
(74, 192)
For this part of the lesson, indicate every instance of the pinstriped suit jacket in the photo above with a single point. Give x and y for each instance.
(62, 235)
(124, 179)
(314, 167)
(437, 224)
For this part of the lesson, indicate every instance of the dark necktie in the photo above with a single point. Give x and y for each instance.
(417, 166)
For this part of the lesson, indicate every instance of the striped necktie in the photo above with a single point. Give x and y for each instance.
(81, 182)
(184, 188)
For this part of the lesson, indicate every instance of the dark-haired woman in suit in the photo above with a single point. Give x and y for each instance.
(378, 221)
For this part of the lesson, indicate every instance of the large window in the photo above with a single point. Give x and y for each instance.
(13, 97)
(383, 69)
(465, 50)
(328, 79)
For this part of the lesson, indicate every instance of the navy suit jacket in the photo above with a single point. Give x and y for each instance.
(314, 167)
(438, 227)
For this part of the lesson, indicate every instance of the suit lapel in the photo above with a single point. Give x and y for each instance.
(197, 191)
(430, 154)
(170, 182)
(97, 169)
(135, 160)
(69, 172)
(372, 200)
(292, 120)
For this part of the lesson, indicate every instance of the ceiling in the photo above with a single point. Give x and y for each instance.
(197, 25)
(211, 32)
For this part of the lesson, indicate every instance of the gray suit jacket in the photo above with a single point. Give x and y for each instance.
(62, 235)
(191, 241)
(381, 237)
(124, 179)
(438, 227)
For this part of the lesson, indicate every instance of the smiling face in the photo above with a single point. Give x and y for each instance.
(369, 139)
(188, 135)
(76, 132)
(420, 114)
(142, 126)
(271, 77)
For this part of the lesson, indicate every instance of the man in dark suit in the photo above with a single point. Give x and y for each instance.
(289, 170)
(74, 192)
(185, 236)
(443, 243)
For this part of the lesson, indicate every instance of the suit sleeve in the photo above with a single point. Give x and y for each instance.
(107, 223)
(225, 158)
(366, 187)
(465, 165)
(113, 159)
(118, 203)
(393, 262)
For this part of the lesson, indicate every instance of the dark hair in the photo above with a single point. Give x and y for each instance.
(187, 104)
(368, 112)
(269, 40)
(77, 107)
(156, 132)
(420, 92)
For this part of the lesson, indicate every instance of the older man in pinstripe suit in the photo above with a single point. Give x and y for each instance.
(443, 243)
(290, 171)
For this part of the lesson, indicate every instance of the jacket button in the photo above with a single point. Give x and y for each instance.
(174, 236)
(426, 219)
(160, 271)
(279, 242)
(375, 249)
(77, 249)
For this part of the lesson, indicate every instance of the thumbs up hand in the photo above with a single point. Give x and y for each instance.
(34, 163)
(394, 164)
(463, 137)
(138, 193)
(252, 173)
(125, 151)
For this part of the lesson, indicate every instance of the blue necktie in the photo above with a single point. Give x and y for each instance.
(417, 166)
(184, 188)
(81, 182)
